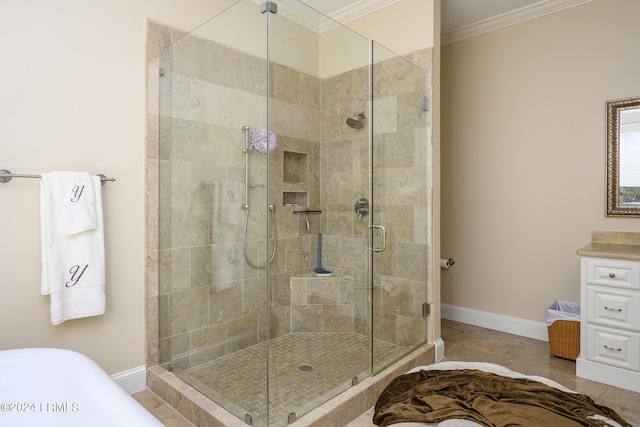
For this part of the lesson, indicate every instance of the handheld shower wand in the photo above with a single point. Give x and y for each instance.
(245, 206)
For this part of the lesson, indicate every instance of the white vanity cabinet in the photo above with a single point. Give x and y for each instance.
(610, 316)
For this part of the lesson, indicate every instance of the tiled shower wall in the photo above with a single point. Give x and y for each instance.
(211, 302)
(402, 190)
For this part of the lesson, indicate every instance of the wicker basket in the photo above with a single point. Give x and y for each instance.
(564, 339)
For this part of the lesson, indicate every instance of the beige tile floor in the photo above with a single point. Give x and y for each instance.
(471, 343)
(310, 368)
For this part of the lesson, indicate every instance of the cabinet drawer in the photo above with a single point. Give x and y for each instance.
(616, 348)
(614, 307)
(610, 272)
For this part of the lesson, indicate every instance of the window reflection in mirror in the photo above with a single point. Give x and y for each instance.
(630, 156)
(623, 157)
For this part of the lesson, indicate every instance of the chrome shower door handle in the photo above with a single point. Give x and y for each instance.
(384, 238)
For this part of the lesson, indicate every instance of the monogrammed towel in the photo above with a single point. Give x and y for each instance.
(77, 202)
(73, 267)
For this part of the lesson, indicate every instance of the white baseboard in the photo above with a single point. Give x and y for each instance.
(132, 380)
(498, 322)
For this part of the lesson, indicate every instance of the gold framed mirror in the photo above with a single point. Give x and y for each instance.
(623, 157)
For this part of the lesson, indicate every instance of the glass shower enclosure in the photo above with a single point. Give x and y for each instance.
(293, 209)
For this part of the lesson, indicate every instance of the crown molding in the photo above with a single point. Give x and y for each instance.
(300, 13)
(358, 10)
(510, 18)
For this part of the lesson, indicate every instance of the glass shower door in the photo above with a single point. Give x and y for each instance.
(399, 188)
(319, 77)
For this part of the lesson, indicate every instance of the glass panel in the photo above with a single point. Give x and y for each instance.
(400, 197)
(213, 312)
(319, 76)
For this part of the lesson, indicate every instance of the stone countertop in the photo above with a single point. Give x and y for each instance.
(609, 250)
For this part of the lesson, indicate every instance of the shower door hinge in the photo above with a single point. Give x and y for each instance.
(426, 309)
(268, 6)
(425, 103)
(248, 420)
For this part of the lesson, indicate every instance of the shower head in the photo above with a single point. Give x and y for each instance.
(356, 122)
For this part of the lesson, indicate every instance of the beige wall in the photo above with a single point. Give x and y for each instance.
(523, 153)
(73, 98)
(403, 27)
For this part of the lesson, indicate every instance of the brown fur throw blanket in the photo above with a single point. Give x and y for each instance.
(485, 398)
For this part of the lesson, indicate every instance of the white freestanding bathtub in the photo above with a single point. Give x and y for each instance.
(53, 387)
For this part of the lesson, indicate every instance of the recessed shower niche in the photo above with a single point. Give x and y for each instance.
(295, 178)
(295, 167)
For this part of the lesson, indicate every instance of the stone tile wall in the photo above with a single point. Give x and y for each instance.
(208, 300)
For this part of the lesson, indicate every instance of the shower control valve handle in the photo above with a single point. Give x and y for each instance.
(362, 207)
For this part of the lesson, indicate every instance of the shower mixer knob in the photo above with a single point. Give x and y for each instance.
(362, 207)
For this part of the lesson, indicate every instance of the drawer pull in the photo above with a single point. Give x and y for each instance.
(612, 309)
(612, 275)
(611, 348)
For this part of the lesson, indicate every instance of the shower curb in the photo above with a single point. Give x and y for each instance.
(339, 411)
(350, 404)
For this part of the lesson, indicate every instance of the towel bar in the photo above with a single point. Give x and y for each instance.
(5, 176)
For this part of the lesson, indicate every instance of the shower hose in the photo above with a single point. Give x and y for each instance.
(247, 150)
(272, 208)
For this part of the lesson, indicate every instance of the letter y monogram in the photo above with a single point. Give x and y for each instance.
(76, 275)
(77, 193)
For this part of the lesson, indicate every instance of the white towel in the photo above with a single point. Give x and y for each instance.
(77, 201)
(73, 268)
